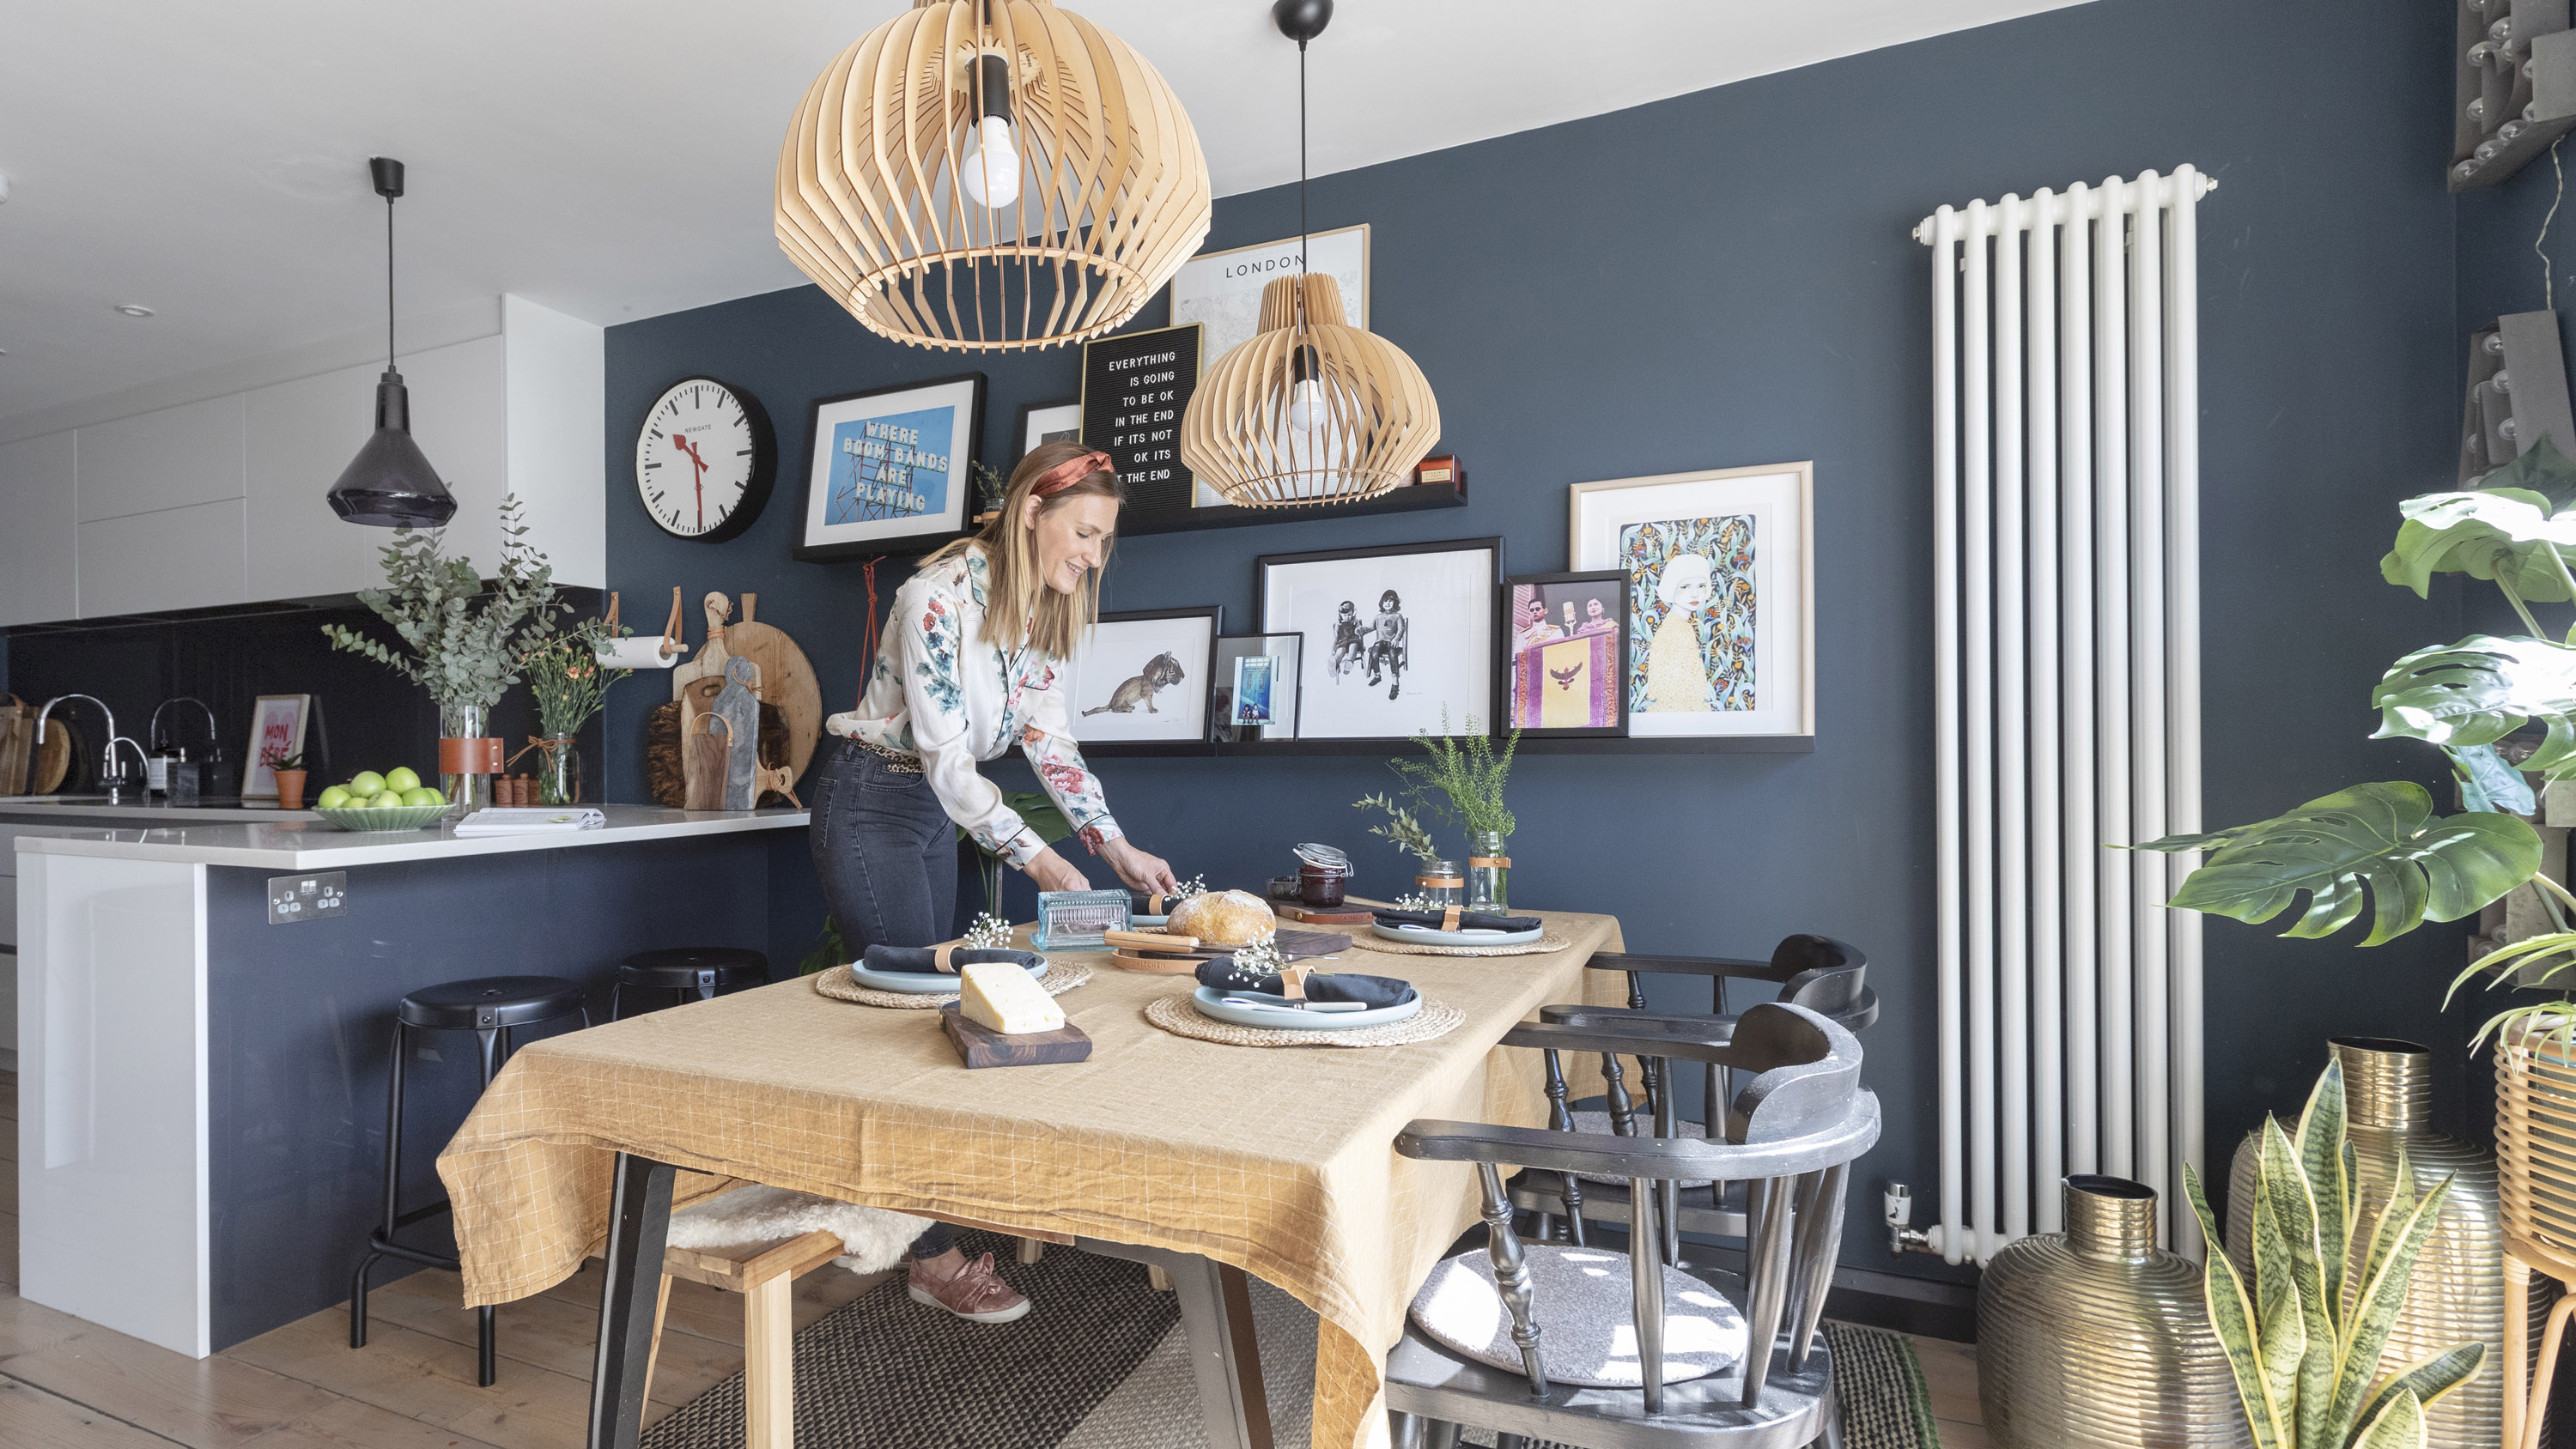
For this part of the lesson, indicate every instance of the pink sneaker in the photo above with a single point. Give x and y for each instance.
(976, 1294)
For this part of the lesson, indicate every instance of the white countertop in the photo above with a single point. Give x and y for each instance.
(31, 809)
(318, 845)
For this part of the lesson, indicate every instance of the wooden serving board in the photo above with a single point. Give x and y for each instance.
(980, 1046)
(786, 680)
(1156, 965)
(1295, 945)
(1344, 915)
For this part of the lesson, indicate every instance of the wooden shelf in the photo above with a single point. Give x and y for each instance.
(1413, 499)
(1552, 745)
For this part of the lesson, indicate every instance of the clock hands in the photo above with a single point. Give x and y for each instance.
(701, 483)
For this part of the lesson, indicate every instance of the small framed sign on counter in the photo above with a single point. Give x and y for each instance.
(1134, 389)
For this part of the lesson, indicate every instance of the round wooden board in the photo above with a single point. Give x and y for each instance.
(49, 761)
(787, 681)
(1152, 966)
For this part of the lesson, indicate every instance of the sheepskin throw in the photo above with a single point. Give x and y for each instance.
(871, 1238)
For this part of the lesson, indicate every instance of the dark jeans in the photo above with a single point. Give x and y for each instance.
(887, 855)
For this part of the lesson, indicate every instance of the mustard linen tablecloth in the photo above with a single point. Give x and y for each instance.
(1279, 1162)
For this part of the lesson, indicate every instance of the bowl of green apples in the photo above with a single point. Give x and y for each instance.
(394, 800)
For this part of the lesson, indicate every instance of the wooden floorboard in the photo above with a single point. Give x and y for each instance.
(31, 1418)
(213, 1403)
(1950, 1376)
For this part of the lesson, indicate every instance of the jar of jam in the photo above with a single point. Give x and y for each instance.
(1321, 869)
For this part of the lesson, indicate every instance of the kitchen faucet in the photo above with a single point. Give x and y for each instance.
(108, 777)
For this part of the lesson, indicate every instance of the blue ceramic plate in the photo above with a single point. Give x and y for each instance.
(1425, 936)
(1141, 922)
(1210, 1003)
(920, 983)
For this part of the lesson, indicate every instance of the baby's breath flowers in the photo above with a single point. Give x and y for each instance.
(1195, 886)
(1257, 960)
(1416, 903)
(989, 932)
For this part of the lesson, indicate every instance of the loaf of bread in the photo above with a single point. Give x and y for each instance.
(1223, 918)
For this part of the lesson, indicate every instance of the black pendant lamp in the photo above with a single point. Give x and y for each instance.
(390, 484)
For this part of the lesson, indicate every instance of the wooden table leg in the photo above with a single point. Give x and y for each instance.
(639, 1223)
(1217, 1330)
(769, 1364)
(2517, 1345)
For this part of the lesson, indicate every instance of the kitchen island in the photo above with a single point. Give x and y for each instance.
(202, 1091)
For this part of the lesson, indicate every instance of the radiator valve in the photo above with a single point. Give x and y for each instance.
(1902, 1236)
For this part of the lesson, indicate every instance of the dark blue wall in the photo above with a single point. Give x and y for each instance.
(1726, 278)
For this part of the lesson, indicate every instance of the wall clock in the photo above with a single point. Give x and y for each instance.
(704, 460)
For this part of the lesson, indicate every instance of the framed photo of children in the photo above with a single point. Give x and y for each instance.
(890, 470)
(1400, 639)
(1144, 675)
(1721, 595)
(1256, 686)
(1565, 653)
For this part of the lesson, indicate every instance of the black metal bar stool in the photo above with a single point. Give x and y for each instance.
(488, 1006)
(697, 973)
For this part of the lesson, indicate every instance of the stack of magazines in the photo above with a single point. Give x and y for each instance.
(499, 821)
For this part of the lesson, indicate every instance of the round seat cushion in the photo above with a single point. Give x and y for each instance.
(1580, 1299)
(491, 1001)
(1600, 1122)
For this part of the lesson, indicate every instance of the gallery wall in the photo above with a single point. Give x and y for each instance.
(1725, 279)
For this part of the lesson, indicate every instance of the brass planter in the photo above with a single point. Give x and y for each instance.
(2094, 1337)
(2458, 1294)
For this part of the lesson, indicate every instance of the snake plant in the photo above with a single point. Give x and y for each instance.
(2303, 1341)
(2382, 845)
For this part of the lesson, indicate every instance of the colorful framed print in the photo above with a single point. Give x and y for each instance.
(1048, 422)
(1256, 686)
(276, 732)
(1721, 595)
(1144, 675)
(890, 470)
(1402, 637)
(1565, 653)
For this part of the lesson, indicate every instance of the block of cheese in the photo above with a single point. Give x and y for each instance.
(1004, 997)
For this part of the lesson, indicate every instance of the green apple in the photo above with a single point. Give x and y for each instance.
(386, 800)
(367, 783)
(422, 795)
(403, 778)
(333, 798)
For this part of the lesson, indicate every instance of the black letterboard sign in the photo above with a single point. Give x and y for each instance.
(1134, 389)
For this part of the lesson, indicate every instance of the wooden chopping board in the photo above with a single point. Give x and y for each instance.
(51, 760)
(1295, 945)
(786, 676)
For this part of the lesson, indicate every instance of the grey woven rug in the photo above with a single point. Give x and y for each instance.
(1100, 1364)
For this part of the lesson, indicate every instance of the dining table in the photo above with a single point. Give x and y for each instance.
(1207, 1160)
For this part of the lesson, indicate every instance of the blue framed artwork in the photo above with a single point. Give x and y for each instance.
(890, 470)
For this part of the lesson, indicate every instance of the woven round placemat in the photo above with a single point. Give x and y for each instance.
(1062, 976)
(1374, 942)
(1176, 1015)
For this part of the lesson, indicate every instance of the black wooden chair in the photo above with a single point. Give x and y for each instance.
(1827, 976)
(1745, 1366)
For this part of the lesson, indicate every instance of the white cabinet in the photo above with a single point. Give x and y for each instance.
(165, 459)
(176, 558)
(38, 584)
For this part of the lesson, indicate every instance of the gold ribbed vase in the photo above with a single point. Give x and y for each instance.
(2095, 1337)
(2458, 1295)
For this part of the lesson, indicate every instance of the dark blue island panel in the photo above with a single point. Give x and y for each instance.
(300, 1025)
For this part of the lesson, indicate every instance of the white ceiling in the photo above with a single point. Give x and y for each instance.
(614, 160)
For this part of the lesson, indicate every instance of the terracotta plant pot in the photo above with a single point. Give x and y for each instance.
(290, 789)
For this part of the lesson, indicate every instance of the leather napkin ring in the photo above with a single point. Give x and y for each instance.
(1153, 905)
(1449, 918)
(1504, 861)
(1292, 982)
(939, 959)
(1433, 882)
(458, 756)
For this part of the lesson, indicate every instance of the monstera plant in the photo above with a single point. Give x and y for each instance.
(2383, 846)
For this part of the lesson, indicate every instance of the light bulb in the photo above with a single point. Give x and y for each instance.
(1307, 407)
(991, 170)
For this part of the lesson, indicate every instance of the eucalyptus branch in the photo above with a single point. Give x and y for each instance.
(463, 655)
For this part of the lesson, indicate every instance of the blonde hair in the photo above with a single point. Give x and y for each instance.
(1019, 608)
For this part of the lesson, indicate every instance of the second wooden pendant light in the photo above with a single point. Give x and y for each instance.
(1312, 410)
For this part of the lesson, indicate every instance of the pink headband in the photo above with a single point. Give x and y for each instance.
(1071, 471)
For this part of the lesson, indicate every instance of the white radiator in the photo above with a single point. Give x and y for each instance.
(2066, 467)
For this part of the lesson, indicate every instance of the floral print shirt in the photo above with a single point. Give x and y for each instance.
(940, 691)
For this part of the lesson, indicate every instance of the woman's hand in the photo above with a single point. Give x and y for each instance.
(1053, 873)
(1147, 873)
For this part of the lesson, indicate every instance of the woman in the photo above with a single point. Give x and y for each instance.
(970, 664)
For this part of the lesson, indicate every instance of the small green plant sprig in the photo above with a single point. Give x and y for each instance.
(1401, 828)
(463, 655)
(564, 674)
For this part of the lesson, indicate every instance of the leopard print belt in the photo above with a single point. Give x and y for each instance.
(896, 760)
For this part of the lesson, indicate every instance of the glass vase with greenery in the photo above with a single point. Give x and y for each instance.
(1462, 784)
(569, 684)
(463, 642)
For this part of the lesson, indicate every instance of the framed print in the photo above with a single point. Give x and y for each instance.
(1256, 686)
(1721, 595)
(1565, 653)
(890, 470)
(1401, 638)
(1144, 675)
(1221, 291)
(1136, 388)
(1047, 422)
(276, 733)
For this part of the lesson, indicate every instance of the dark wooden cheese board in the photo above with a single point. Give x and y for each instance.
(981, 1046)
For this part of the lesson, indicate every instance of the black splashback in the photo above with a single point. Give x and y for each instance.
(371, 717)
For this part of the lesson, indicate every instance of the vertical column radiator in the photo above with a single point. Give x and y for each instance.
(2066, 465)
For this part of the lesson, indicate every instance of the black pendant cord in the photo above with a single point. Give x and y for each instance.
(1301, 188)
(389, 284)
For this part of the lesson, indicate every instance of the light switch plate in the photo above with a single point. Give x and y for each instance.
(295, 899)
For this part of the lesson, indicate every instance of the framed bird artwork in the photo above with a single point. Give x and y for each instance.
(1565, 651)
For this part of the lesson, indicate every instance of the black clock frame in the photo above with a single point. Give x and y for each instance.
(764, 463)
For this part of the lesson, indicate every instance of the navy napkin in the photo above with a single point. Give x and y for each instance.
(1375, 991)
(926, 959)
(1469, 921)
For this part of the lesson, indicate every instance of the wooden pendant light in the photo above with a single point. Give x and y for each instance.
(1104, 198)
(1368, 411)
